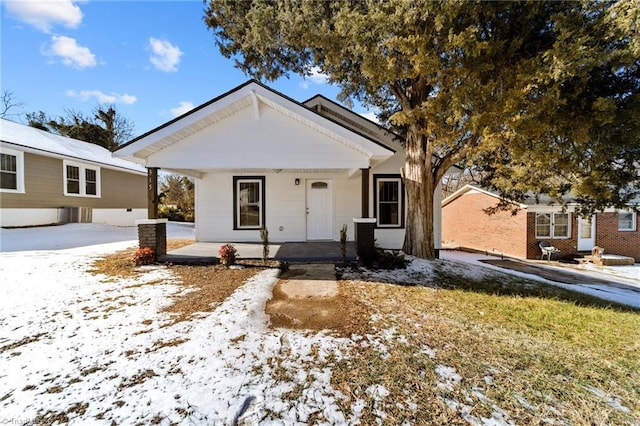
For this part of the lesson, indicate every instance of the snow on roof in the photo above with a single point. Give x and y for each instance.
(39, 140)
(530, 199)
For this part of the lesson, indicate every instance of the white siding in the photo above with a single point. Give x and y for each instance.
(28, 217)
(118, 217)
(275, 141)
(285, 204)
(387, 238)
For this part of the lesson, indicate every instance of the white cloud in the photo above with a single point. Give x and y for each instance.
(72, 54)
(183, 107)
(101, 97)
(165, 56)
(316, 77)
(43, 14)
(370, 115)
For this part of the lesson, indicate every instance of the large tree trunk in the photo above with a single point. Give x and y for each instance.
(420, 187)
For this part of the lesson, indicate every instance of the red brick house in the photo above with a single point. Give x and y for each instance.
(465, 224)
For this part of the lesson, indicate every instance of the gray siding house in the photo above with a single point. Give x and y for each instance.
(47, 178)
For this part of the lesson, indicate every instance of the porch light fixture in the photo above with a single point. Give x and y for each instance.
(297, 181)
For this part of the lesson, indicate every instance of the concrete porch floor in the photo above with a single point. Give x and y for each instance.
(315, 251)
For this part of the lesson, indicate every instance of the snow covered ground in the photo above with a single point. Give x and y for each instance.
(85, 348)
(629, 276)
(76, 344)
(78, 235)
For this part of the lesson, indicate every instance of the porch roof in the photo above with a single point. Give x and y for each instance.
(253, 127)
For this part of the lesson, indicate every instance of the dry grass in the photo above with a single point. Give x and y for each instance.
(535, 355)
(121, 264)
(535, 358)
(211, 285)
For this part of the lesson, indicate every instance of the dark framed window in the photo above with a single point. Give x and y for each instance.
(388, 200)
(248, 202)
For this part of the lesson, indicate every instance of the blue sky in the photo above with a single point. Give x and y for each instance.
(153, 59)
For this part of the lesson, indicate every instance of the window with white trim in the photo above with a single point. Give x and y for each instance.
(553, 225)
(81, 180)
(389, 200)
(626, 220)
(248, 202)
(11, 170)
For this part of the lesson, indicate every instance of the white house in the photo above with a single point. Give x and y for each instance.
(302, 170)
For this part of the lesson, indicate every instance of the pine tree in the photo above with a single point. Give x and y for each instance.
(540, 95)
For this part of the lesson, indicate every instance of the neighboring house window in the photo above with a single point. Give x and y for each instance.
(81, 180)
(91, 181)
(73, 180)
(11, 171)
(626, 221)
(248, 202)
(389, 201)
(553, 225)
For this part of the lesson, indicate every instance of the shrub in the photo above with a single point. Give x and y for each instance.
(343, 243)
(390, 260)
(227, 254)
(144, 256)
(264, 236)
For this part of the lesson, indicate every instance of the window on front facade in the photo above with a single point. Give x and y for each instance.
(81, 180)
(249, 202)
(91, 183)
(11, 170)
(8, 171)
(552, 225)
(73, 180)
(626, 221)
(388, 201)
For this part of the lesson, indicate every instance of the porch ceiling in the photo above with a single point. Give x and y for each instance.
(199, 173)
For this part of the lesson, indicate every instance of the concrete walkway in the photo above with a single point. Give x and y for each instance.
(310, 280)
(316, 251)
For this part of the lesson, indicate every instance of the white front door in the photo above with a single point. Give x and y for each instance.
(586, 233)
(319, 209)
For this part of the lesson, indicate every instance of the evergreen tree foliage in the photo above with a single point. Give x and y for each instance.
(177, 198)
(538, 96)
(104, 127)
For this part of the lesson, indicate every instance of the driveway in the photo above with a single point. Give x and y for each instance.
(73, 235)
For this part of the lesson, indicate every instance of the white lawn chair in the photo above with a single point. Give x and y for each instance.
(548, 250)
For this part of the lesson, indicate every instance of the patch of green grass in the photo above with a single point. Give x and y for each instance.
(534, 357)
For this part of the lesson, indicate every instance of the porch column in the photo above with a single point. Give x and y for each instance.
(365, 193)
(152, 233)
(152, 192)
(365, 239)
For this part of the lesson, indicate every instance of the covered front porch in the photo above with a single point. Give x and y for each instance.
(316, 251)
